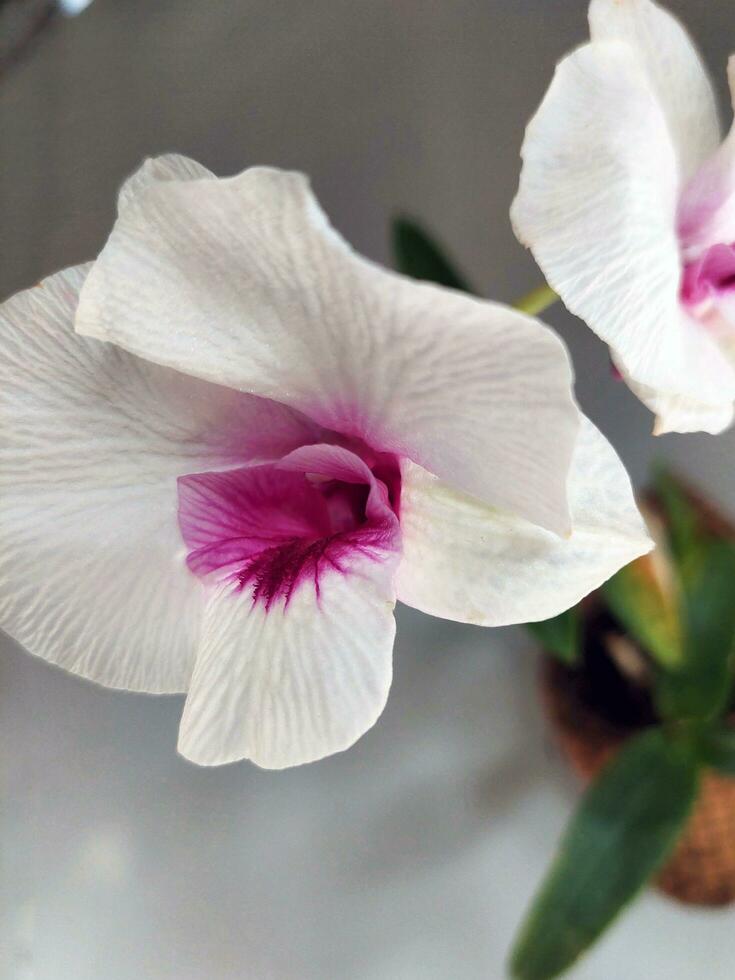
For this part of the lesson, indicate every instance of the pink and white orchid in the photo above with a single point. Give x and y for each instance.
(255, 441)
(627, 200)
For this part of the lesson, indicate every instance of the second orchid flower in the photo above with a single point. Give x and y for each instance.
(627, 200)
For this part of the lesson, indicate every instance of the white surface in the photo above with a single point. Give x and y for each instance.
(412, 856)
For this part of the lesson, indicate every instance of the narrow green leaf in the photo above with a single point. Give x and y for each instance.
(417, 255)
(645, 599)
(560, 636)
(700, 687)
(685, 530)
(626, 825)
(717, 749)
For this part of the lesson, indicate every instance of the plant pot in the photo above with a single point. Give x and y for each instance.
(589, 731)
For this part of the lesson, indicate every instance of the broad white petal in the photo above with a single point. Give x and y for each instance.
(170, 166)
(674, 68)
(243, 282)
(707, 206)
(597, 205)
(465, 561)
(292, 683)
(92, 439)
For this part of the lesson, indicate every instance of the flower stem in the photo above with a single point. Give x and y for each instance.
(538, 300)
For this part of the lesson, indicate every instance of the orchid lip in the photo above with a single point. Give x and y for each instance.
(271, 529)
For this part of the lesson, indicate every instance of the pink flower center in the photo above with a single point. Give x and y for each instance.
(272, 528)
(708, 277)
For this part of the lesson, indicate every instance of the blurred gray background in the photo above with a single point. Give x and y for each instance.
(412, 856)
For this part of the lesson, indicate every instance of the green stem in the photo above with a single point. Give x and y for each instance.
(538, 300)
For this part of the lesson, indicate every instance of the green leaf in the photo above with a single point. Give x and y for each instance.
(686, 534)
(717, 749)
(560, 636)
(417, 255)
(626, 825)
(699, 688)
(645, 599)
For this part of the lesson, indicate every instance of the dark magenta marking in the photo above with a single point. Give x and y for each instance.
(275, 527)
(275, 573)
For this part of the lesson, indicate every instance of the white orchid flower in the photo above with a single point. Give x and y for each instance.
(255, 441)
(627, 200)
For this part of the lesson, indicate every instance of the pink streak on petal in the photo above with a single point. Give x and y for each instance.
(228, 517)
(276, 572)
(275, 527)
(249, 429)
(706, 209)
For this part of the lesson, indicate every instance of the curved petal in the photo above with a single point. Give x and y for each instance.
(674, 69)
(468, 562)
(170, 166)
(677, 413)
(707, 206)
(708, 348)
(92, 572)
(298, 680)
(597, 203)
(338, 463)
(243, 282)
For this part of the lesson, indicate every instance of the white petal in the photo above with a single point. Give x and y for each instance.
(92, 573)
(677, 413)
(291, 684)
(465, 561)
(674, 68)
(682, 412)
(171, 166)
(597, 205)
(243, 282)
(707, 205)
